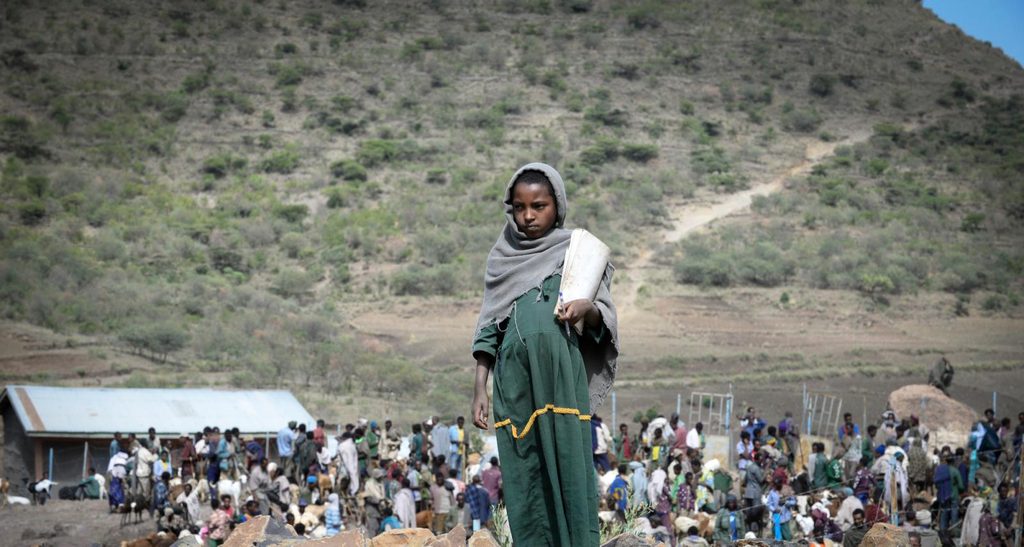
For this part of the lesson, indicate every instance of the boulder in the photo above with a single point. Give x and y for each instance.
(260, 531)
(949, 420)
(348, 538)
(455, 538)
(885, 535)
(406, 537)
(628, 540)
(482, 538)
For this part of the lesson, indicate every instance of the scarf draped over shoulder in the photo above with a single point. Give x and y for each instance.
(517, 264)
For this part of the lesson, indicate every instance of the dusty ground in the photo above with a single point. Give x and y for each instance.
(61, 522)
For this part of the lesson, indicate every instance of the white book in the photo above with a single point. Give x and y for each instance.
(585, 262)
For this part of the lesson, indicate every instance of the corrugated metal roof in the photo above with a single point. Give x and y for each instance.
(86, 411)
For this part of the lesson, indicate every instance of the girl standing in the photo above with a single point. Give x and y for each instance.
(547, 378)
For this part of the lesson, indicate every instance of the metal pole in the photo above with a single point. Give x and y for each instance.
(864, 415)
(803, 409)
(49, 469)
(994, 411)
(266, 447)
(85, 457)
(679, 403)
(615, 413)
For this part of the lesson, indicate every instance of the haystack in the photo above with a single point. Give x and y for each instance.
(948, 420)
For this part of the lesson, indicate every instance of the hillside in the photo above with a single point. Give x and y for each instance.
(270, 193)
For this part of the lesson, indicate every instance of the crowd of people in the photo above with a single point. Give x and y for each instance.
(317, 484)
(784, 487)
(656, 481)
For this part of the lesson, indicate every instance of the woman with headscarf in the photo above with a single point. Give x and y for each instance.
(638, 481)
(332, 516)
(549, 376)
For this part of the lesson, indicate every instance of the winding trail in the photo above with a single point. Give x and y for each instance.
(688, 218)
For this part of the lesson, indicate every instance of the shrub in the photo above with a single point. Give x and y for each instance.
(194, 83)
(222, 164)
(644, 16)
(604, 151)
(293, 283)
(822, 84)
(641, 153)
(972, 222)
(437, 175)
(604, 114)
(377, 151)
(801, 120)
(283, 162)
(348, 170)
(291, 212)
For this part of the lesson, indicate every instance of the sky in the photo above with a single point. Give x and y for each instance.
(1000, 22)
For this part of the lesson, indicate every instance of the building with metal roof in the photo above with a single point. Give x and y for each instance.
(74, 425)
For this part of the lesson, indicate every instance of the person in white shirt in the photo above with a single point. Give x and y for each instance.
(695, 437)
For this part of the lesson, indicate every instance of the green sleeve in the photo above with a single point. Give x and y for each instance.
(488, 341)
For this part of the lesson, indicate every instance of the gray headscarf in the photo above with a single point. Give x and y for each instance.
(517, 264)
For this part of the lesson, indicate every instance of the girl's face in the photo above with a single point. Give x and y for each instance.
(533, 209)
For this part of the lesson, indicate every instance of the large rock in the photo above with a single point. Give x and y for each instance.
(406, 537)
(628, 540)
(885, 535)
(348, 538)
(483, 538)
(949, 420)
(455, 538)
(261, 531)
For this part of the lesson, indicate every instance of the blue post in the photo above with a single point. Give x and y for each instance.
(49, 471)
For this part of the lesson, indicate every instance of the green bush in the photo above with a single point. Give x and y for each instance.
(822, 85)
(291, 212)
(605, 150)
(604, 114)
(221, 164)
(283, 162)
(640, 153)
(348, 170)
(801, 120)
(375, 152)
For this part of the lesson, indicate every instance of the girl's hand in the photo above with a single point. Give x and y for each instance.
(572, 312)
(479, 409)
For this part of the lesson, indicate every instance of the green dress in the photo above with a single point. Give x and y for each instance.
(542, 420)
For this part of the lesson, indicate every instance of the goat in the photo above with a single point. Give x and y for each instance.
(5, 490)
(133, 504)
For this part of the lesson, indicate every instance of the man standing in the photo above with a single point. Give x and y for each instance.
(457, 444)
(695, 438)
(623, 444)
(601, 437)
(479, 501)
(115, 445)
(492, 480)
(443, 499)
(144, 460)
(753, 489)
(392, 440)
(679, 435)
(188, 457)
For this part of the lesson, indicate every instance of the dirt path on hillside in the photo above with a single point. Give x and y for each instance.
(686, 218)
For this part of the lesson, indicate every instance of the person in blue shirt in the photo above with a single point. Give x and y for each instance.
(390, 521)
(479, 502)
(780, 512)
(848, 419)
(285, 439)
(115, 445)
(619, 490)
(457, 439)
